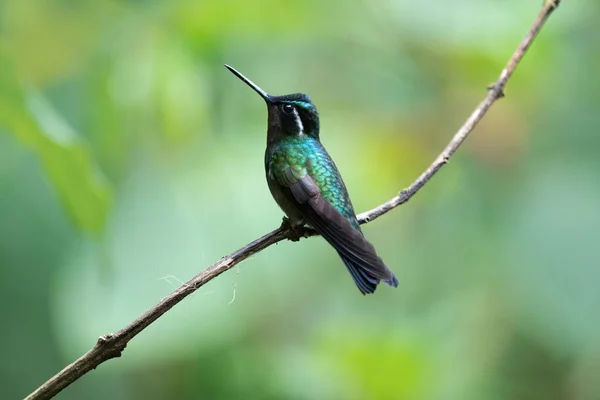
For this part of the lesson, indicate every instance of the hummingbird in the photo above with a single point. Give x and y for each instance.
(308, 187)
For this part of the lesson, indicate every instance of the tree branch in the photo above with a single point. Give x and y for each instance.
(112, 345)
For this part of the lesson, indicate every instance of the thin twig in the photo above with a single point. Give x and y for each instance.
(112, 345)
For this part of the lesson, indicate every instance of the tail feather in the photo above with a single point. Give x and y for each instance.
(391, 282)
(365, 282)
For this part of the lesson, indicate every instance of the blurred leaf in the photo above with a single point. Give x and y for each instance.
(552, 265)
(496, 255)
(85, 194)
(50, 39)
(381, 367)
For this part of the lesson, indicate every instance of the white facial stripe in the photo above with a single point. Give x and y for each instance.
(298, 122)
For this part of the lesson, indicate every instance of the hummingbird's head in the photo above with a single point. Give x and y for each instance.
(289, 115)
(293, 115)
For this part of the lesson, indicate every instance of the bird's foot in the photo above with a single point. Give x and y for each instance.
(295, 232)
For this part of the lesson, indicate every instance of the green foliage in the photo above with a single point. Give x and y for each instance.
(118, 119)
(66, 160)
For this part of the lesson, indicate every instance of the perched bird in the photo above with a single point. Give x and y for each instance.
(307, 186)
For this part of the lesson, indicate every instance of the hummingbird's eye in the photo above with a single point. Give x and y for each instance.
(288, 108)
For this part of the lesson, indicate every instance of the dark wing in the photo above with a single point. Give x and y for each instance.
(358, 254)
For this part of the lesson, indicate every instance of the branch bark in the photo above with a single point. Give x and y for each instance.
(112, 345)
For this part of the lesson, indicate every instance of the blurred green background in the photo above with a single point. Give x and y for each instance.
(130, 160)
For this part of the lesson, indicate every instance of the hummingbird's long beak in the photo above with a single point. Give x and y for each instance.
(248, 82)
